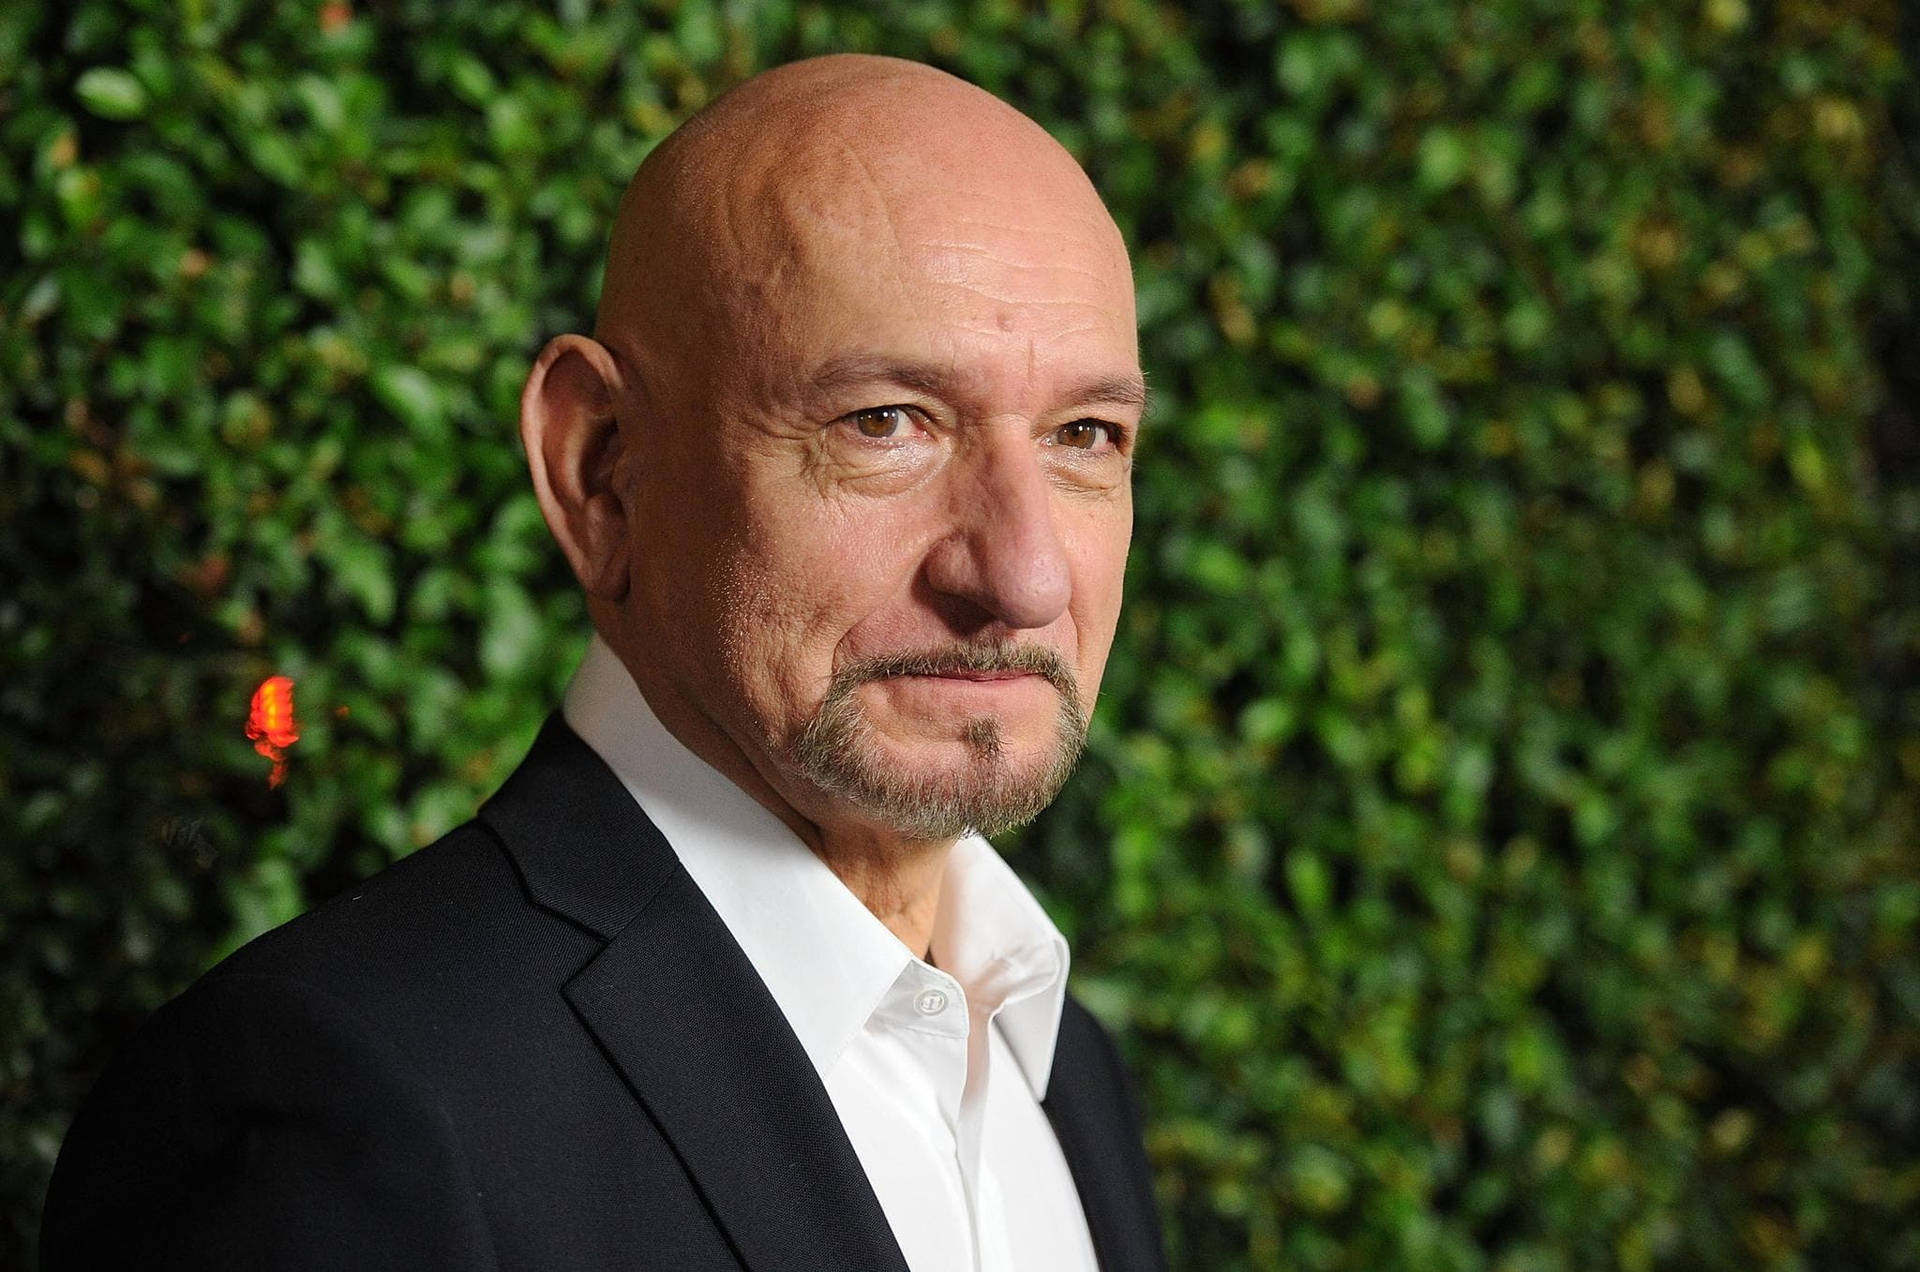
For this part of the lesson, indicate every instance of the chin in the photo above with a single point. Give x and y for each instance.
(976, 777)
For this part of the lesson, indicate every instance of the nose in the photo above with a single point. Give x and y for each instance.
(1005, 557)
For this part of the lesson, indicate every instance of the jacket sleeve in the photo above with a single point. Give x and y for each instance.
(256, 1122)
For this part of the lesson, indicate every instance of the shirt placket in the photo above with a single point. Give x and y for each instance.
(930, 1009)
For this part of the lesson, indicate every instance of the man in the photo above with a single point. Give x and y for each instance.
(724, 976)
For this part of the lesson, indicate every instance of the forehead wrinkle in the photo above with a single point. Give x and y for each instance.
(826, 216)
(1029, 302)
(995, 256)
(879, 192)
(943, 380)
(1083, 229)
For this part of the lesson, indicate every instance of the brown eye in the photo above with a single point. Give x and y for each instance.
(1082, 434)
(880, 422)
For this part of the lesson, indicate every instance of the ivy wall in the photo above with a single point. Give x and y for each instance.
(1498, 844)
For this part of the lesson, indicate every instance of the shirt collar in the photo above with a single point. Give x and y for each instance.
(993, 937)
(826, 959)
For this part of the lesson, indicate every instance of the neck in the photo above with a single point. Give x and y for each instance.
(898, 880)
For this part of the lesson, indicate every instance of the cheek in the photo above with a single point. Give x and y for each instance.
(1100, 567)
(789, 587)
(718, 605)
(763, 618)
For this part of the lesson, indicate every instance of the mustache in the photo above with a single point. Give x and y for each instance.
(1034, 660)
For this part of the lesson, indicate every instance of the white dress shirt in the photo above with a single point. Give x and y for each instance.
(937, 1072)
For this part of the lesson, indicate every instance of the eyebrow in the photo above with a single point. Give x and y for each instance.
(851, 370)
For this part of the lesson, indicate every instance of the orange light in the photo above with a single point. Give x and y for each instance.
(271, 725)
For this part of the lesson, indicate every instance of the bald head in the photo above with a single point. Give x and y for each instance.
(850, 453)
(846, 162)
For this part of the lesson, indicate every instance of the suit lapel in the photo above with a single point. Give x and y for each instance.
(683, 1016)
(1097, 1126)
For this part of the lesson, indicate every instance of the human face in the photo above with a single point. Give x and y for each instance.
(884, 532)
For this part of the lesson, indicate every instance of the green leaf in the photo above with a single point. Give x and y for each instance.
(1308, 881)
(1444, 159)
(111, 93)
(511, 634)
(412, 394)
(364, 570)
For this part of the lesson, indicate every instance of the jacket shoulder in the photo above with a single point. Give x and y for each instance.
(425, 930)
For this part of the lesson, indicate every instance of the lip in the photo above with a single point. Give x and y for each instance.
(980, 677)
(934, 699)
(987, 684)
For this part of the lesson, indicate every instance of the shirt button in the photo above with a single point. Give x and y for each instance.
(931, 1002)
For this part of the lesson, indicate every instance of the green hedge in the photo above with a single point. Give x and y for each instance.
(1498, 844)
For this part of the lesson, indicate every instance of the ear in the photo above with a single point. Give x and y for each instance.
(574, 451)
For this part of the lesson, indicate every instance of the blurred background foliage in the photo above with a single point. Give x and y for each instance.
(1498, 844)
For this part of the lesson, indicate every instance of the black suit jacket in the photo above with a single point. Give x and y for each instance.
(532, 1044)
